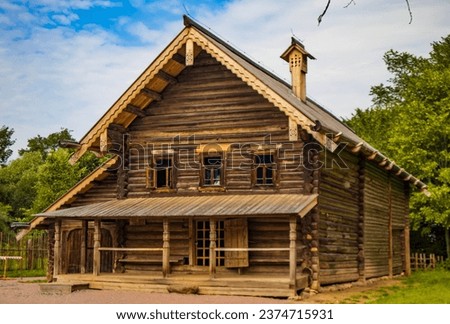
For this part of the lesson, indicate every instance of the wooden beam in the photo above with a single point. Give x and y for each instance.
(373, 155)
(166, 77)
(179, 58)
(57, 248)
(293, 130)
(135, 110)
(83, 246)
(104, 142)
(117, 127)
(69, 144)
(337, 137)
(357, 147)
(166, 247)
(96, 255)
(189, 52)
(212, 248)
(293, 253)
(151, 94)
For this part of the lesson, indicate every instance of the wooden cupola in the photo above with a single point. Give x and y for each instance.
(297, 57)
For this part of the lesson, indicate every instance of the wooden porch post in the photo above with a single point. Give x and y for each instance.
(212, 248)
(83, 247)
(293, 252)
(57, 248)
(166, 247)
(97, 237)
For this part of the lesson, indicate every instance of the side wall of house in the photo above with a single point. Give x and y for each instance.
(385, 216)
(339, 217)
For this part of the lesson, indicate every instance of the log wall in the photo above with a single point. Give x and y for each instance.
(385, 217)
(209, 104)
(339, 217)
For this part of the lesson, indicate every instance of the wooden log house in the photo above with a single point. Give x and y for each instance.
(225, 178)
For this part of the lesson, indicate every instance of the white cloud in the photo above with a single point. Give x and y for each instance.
(145, 34)
(59, 77)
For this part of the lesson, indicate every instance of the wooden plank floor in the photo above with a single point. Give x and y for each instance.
(222, 284)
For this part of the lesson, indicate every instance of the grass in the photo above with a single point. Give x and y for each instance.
(422, 287)
(24, 273)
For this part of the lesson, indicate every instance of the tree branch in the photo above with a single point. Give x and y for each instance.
(410, 12)
(319, 19)
(348, 4)
(323, 13)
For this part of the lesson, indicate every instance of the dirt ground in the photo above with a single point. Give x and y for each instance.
(27, 291)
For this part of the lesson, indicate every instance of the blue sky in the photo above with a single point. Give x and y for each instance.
(63, 63)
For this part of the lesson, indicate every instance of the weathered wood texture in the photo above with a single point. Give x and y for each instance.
(339, 217)
(149, 234)
(209, 104)
(98, 191)
(72, 245)
(385, 212)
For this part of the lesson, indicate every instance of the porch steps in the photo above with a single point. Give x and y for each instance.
(243, 286)
(55, 288)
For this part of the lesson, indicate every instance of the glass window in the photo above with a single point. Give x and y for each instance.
(212, 171)
(264, 170)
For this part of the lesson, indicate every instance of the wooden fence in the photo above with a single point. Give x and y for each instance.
(425, 261)
(33, 249)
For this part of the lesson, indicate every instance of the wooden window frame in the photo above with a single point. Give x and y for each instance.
(152, 172)
(203, 185)
(202, 259)
(257, 165)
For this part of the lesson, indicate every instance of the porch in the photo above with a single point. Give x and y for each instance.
(256, 285)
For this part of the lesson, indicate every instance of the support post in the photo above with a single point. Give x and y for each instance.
(212, 248)
(97, 237)
(166, 247)
(57, 248)
(83, 247)
(293, 253)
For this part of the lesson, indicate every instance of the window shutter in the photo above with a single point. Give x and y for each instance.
(236, 236)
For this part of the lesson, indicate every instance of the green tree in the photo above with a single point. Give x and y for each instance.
(48, 144)
(410, 122)
(5, 142)
(17, 184)
(56, 175)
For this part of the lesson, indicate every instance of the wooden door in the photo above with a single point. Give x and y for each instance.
(74, 251)
(236, 236)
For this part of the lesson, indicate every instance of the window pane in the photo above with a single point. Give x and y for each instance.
(163, 169)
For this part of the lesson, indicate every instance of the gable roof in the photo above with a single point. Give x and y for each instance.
(149, 86)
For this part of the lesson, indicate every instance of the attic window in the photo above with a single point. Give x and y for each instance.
(212, 170)
(160, 176)
(264, 170)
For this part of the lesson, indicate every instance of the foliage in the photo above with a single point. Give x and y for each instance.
(39, 176)
(56, 176)
(17, 184)
(5, 142)
(44, 145)
(410, 123)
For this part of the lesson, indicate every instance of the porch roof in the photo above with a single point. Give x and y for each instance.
(193, 206)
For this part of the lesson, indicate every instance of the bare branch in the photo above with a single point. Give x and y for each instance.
(323, 13)
(410, 12)
(348, 4)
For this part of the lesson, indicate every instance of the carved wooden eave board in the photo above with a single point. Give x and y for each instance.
(82, 186)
